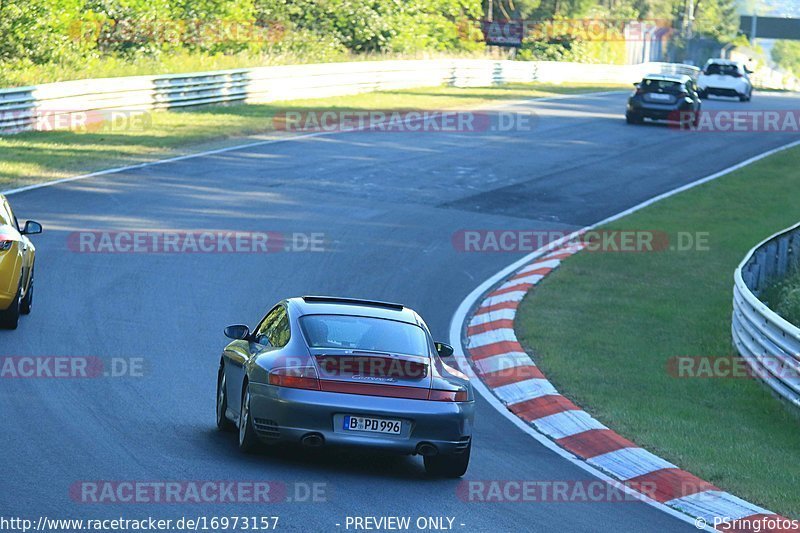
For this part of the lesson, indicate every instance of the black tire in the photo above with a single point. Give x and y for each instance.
(27, 302)
(743, 98)
(248, 441)
(222, 404)
(633, 119)
(451, 465)
(9, 319)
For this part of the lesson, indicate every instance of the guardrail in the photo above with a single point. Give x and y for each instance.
(769, 344)
(61, 105)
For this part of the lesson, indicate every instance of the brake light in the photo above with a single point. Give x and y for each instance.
(295, 378)
(448, 395)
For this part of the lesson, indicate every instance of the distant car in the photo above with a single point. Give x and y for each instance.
(723, 77)
(664, 97)
(17, 258)
(320, 371)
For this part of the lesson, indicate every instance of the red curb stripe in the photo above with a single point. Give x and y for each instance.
(511, 375)
(534, 272)
(490, 326)
(536, 408)
(524, 287)
(496, 307)
(670, 483)
(594, 442)
(496, 348)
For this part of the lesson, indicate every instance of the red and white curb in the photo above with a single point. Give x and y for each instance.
(503, 366)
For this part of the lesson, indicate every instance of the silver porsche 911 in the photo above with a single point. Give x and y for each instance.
(320, 371)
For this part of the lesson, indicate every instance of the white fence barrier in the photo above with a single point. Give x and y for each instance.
(769, 344)
(62, 105)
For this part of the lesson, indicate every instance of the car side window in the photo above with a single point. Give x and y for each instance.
(280, 333)
(262, 335)
(274, 330)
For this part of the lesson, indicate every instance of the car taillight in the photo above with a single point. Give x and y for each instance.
(448, 395)
(295, 377)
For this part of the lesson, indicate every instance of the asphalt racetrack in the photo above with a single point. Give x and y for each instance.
(388, 205)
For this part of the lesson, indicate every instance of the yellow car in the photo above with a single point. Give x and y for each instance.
(17, 255)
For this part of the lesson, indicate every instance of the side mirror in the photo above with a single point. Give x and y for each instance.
(444, 350)
(237, 332)
(31, 228)
(637, 85)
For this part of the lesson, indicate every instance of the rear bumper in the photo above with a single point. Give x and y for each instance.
(287, 415)
(722, 91)
(642, 109)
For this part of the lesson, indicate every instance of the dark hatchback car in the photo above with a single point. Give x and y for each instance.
(663, 97)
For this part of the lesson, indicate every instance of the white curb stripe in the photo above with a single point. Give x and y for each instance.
(628, 463)
(567, 423)
(547, 263)
(524, 390)
(504, 361)
(515, 296)
(532, 279)
(491, 337)
(714, 503)
(498, 314)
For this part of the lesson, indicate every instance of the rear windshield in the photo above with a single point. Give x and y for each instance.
(724, 70)
(364, 333)
(652, 86)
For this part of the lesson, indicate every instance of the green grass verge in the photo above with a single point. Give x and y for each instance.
(33, 157)
(604, 326)
(783, 297)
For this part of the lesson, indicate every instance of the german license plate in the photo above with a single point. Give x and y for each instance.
(660, 97)
(374, 425)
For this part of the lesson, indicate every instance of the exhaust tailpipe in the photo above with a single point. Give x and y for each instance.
(427, 449)
(313, 440)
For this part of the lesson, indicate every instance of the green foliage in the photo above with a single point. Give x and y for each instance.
(787, 55)
(66, 34)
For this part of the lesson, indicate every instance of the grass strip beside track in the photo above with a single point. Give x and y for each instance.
(604, 326)
(34, 157)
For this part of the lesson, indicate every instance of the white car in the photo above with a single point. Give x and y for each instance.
(723, 77)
